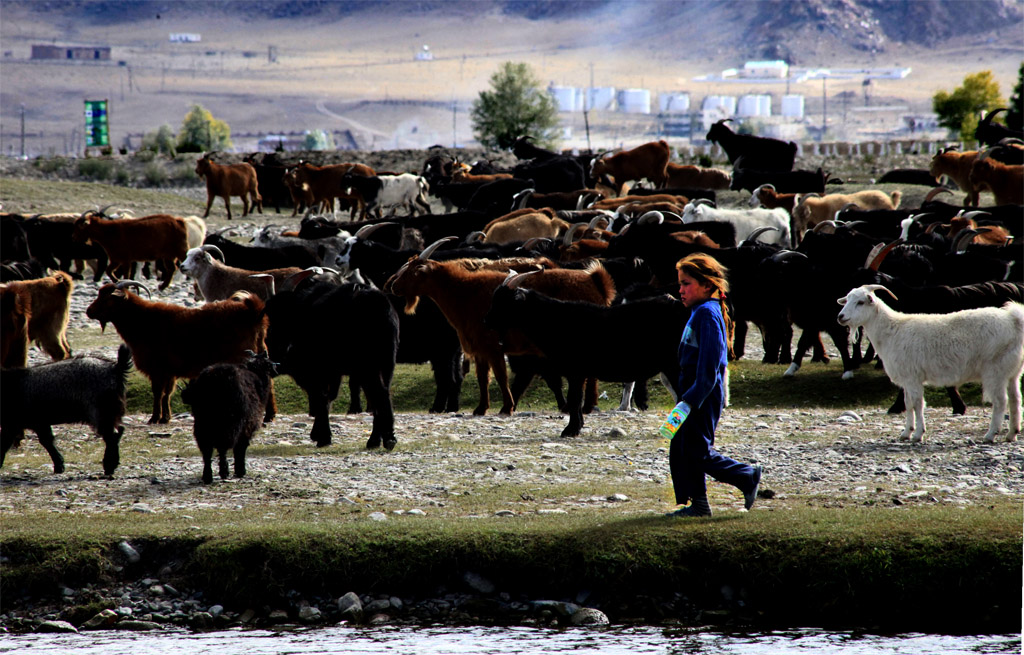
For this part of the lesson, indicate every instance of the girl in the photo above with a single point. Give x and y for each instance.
(703, 357)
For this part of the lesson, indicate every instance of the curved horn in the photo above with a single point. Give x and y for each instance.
(223, 230)
(366, 230)
(651, 217)
(530, 243)
(878, 253)
(963, 239)
(214, 249)
(934, 192)
(475, 235)
(703, 201)
(598, 223)
(567, 239)
(827, 227)
(429, 250)
(757, 232)
(508, 278)
(784, 255)
(517, 279)
(988, 117)
(123, 284)
(977, 212)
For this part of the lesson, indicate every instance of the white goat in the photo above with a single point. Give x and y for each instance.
(745, 220)
(945, 350)
(406, 192)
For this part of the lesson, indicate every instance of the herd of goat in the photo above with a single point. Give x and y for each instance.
(560, 267)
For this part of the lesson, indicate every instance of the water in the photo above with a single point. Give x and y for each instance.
(506, 641)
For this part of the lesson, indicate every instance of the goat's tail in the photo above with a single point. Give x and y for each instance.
(896, 196)
(121, 368)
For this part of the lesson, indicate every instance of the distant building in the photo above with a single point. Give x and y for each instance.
(425, 54)
(776, 68)
(76, 53)
(184, 37)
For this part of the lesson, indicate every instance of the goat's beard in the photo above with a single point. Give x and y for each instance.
(411, 303)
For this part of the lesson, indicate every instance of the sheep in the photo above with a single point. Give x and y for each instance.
(745, 220)
(748, 151)
(79, 390)
(218, 281)
(1005, 182)
(985, 344)
(957, 167)
(810, 209)
(229, 403)
(45, 303)
(224, 181)
(170, 342)
(648, 160)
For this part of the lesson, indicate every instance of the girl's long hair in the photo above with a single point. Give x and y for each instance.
(705, 269)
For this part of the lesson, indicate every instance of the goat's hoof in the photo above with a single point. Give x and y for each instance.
(373, 442)
(390, 443)
(848, 375)
(323, 443)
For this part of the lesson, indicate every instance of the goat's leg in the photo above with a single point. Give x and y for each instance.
(483, 380)
(45, 433)
(1014, 402)
(9, 437)
(209, 203)
(818, 353)
(841, 337)
(222, 463)
(508, 404)
(626, 403)
(207, 453)
(270, 413)
(914, 424)
(802, 346)
(383, 432)
(227, 204)
(112, 447)
(739, 341)
(239, 451)
(574, 403)
(354, 406)
(157, 386)
(995, 390)
(245, 205)
(957, 403)
(524, 369)
(589, 395)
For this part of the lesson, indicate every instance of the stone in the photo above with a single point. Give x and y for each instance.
(309, 614)
(589, 616)
(104, 619)
(616, 433)
(378, 516)
(278, 616)
(350, 607)
(201, 621)
(129, 553)
(137, 626)
(216, 610)
(559, 607)
(376, 606)
(56, 626)
(618, 498)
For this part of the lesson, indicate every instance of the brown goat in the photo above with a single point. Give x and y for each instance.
(170, 342)
(224, 181)
(464, 297)
(14, 316)
(679, 175)
(614, 203)
(523, 224)
(161, 237)
(43, 310)
(318, 186)
(1006, 182)
(766, 196)
(644, 161)
(957, 167)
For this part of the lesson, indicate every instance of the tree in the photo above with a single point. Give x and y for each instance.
(201, 132)
(515, 106)
(161, 141)
(960, 110)
(1015, 116)
(318, 140)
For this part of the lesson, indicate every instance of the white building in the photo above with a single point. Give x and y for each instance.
(771, 69)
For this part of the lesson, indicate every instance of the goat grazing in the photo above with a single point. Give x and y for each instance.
(985, 344)
(229, 403)
(78, 390)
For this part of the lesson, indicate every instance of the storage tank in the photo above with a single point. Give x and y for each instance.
(635, 101)
(764, 105)
(725, 104)
(793, 106)
(674, 103)
(601, 97)
(567, 98)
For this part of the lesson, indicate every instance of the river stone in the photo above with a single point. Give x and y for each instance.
(130, 553)
(589, 616)
(559, 607)
(478, 583)
(350, 607)
(56, 626)
(278, 616)
(201, 621)
(378, 605)
(616, 433)
(309, 614)
(136, 626)
(104, 619)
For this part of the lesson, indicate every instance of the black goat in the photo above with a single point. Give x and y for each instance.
(756, 152)
(254, 258)
(784, 181)
(991, 133)
(79, 390)
(229, 403)
(654, 327)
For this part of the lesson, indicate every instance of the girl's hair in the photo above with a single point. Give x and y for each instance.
(705, 269)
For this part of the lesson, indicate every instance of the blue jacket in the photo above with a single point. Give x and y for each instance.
(703, 356)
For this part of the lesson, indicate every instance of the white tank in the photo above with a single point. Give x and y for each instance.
(725, 104)
(674, 103)
(764, 105)
(635, 101)
(567, 98)
(601, 97)
(793, 106)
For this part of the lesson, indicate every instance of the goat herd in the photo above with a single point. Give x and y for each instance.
(556, 266)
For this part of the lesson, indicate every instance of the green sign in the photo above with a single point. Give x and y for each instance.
(97, 130)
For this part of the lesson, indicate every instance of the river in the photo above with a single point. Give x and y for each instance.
(505, 640)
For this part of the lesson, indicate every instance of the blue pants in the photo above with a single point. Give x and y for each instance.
(691, 454)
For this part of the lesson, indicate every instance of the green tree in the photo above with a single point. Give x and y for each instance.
(960, 110)
(514, 106)
(160, 141)
(318, 140)
(201, 132)
(1015, 116)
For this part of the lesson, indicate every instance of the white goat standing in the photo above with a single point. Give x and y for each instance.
(945, 350)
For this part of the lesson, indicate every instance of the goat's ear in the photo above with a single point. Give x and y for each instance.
(841, 301)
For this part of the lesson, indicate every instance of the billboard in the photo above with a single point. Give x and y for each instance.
(97, 129)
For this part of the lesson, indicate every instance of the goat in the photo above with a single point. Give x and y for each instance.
(1005, 182)
(44, 305)
(985, 344)
(270, 182)
(810, 209)
(991, 133)
(160, 237)
(224, 181)
(957, 167)
(679, 175)
(464, 296)
(648, 160)
(782, 181)
(257, 258)
(218, 281)
(745, 220)
(14, 316)
(918, 176)
(748, 151)
(524, 224)
(389, 192)
(586, 354)
(229, 403)
(320, 185)
(170, 342)
(79, 390)
(766, 196)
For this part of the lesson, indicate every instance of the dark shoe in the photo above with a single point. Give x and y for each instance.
(751, 496)
(688, 512)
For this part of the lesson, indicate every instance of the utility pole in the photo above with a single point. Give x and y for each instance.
(824, 108)
(23, 131)
(454, 138)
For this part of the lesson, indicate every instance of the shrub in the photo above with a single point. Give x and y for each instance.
(154, 174)
(122, 176)
(50, 164)
(96, 169)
